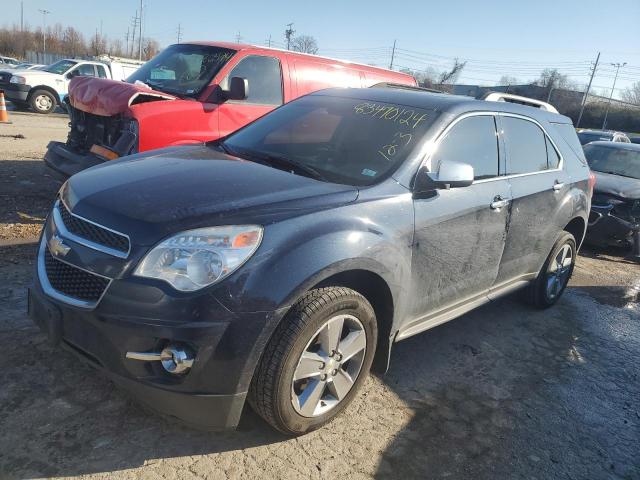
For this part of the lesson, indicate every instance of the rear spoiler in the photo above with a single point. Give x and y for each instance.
(508, 97)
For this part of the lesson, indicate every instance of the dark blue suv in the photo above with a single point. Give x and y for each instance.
(280, 264)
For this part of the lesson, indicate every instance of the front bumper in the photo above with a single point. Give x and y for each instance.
(136, 315)
(92, 345)
(606, 229)
(64, 163)
(15, 91)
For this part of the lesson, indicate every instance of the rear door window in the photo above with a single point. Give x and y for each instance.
(102, 72)
(264, 76)
(473, 141)
(526, 147)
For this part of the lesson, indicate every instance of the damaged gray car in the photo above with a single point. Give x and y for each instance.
(615, 207)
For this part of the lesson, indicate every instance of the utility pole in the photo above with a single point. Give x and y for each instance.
(140, 33)
(615, 78)
(44, 32)
(21, 17)
(268, 41)
(134, 21)
(127, 41)
(289, 33)
(179, 33)
(586, 92)
(393, 53)
(238, 37)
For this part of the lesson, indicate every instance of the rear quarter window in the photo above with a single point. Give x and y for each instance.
(569, 135)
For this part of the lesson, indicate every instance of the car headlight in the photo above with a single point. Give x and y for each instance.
(198, 258)
(17, 79)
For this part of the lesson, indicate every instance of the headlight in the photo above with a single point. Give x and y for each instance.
(195, 259)
(17, 79)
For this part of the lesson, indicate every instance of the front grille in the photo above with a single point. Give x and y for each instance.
(88, 129)
(91, 232)
(72, 281)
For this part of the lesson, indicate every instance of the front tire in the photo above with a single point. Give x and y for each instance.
(554, 275)
(42, 101)
(316, 361)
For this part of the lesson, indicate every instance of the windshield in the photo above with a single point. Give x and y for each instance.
(619, 161)
(183, 69)
(343, 140)
(587, 137)
(60, 67)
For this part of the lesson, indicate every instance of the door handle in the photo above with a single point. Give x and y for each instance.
(499, 202)
(558, 186)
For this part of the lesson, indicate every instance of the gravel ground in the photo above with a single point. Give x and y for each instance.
(502, 392)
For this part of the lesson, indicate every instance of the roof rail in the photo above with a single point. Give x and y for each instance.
(402, 86)
(508, 97)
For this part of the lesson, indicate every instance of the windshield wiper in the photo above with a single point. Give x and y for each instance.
(281, 162)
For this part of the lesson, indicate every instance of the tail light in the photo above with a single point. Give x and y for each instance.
(592, 182)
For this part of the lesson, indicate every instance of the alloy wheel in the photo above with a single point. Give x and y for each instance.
(559, 271)
(328, 366)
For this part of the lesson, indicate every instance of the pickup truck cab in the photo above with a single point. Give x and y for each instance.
(192, 93)
(8, 62)
(43, 90)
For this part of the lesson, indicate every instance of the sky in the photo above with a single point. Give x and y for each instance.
(496, 38)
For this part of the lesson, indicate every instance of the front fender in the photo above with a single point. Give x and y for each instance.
(292, 260)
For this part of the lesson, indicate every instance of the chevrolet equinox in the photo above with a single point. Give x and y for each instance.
(280, 264)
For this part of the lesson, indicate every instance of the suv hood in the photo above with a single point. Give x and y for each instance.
(107, 98)
(151, 196)
(623, 187)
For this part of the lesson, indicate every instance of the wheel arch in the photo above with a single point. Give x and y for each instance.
(577, 227)
(48, 89)
(378, 293)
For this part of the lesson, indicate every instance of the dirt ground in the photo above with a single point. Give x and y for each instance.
(502, 392)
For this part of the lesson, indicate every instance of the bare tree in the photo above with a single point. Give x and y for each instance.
(552, 78)
(98, 45)
(72, 42)
(450, 76)
(305, 44)
(115, 48)
(508, 80)
(632, 94)
(150, 48)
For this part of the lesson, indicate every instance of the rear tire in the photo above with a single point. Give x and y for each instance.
(299, 385)
(554, 275)
(42, 101)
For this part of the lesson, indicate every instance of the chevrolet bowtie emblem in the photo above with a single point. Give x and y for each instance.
(57, 247)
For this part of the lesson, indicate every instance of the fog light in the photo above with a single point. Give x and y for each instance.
(175, 359)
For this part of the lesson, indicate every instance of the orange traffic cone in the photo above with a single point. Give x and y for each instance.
(4, 116)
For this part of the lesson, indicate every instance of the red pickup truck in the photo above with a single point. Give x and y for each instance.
(192, 93)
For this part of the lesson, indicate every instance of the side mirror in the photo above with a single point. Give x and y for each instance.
(238, 89)
(449, 175)
(454, 174)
